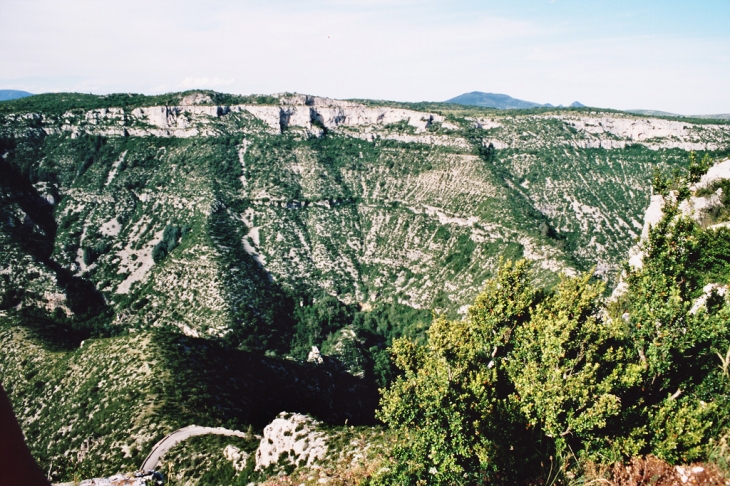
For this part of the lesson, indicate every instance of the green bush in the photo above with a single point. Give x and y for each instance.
(532, 381)
(452, 402)
(170, 240)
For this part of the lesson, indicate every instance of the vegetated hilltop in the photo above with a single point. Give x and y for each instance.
(272, 224)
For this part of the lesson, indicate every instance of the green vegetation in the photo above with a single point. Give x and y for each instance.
(201, 460)
(106, 402)
(127, 232)
(324, 323)
(325, 213)
(59, 103)
(170, 239)
(534, 385)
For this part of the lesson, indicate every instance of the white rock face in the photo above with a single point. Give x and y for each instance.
(652, 132)
(146, 478)
(707, 290)
(314, 356)
(715, 173)
(693, 207)
(236, 456)
(335, 115)
(190, 118)
(652, 216)
(294, 436)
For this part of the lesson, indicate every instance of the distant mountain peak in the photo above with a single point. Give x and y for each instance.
(492, 100)
(501, 101)
(13, 94)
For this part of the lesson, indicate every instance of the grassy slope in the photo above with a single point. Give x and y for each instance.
(97, 409)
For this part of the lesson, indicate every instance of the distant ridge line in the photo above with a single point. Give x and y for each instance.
(721, 116)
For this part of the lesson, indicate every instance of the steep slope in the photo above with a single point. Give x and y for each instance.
(97, 408)
(589, 173)
(252, 209)
(217, 219)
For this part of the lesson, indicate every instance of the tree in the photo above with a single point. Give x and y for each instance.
(569, 368)
(681, 401)
(453, 401)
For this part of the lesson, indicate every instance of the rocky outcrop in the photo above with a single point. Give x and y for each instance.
(606, 131)
(695, 207)
(141, 478)
(314, 356)
(188, 120)
(293, 437)
(237, 457)
(653, 132)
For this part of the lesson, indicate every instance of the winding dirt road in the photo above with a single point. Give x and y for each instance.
(180, 435)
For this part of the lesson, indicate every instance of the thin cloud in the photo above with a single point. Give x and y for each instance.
(403, 50)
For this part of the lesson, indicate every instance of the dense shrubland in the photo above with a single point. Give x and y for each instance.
(323, 321)
(534, 385)
(58, 103)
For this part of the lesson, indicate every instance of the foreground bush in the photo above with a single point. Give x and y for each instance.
(532, 383)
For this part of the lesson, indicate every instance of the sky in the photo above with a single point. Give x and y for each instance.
(653, 54)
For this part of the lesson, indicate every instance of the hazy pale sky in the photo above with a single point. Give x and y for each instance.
(655, 54)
